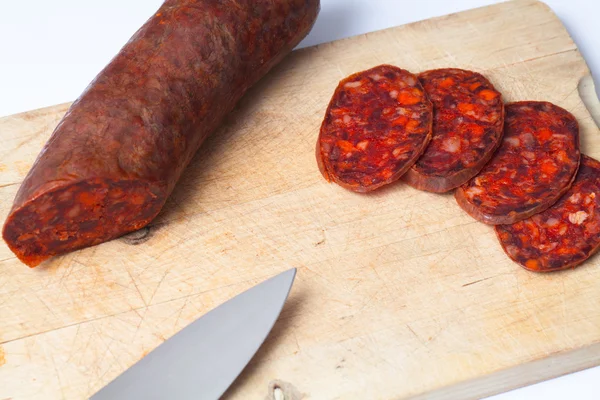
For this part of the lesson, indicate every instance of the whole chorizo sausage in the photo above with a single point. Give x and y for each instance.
(118, 152)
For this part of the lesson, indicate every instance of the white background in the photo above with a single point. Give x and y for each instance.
(51, 49)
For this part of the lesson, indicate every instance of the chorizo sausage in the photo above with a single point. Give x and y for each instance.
(468, 117)
(118, 152)
(564, 235)
(376, 126)
(534, 166)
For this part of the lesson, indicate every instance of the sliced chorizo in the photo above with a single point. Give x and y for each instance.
(564, 235)
(468, 117)
(534, 166)
(376, 126)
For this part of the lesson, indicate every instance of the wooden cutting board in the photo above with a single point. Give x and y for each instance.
(399, 293)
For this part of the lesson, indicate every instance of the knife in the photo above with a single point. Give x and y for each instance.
(204, 358)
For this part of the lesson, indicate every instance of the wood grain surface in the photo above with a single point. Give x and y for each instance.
(399, 293)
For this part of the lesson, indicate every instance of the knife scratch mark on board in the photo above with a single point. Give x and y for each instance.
(60, 385)
(417, 336)
(158, 286)
(137, 328)
(136, 287)
(185, 302)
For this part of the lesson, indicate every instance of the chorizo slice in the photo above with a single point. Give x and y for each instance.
(118, 152)
(534, 166)
(564, 235)
(468, 117)
(376, 126)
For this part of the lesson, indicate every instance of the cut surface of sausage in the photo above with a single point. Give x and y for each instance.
(564, 235)
(468, 117)
(534, 166)
(118, 152)
(376, 126)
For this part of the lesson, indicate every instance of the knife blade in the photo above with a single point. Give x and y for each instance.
(204, 358)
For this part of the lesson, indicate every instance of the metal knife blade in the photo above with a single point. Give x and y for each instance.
(204, 358)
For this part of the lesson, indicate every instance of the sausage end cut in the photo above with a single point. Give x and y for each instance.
(564, 235)
(79, 215)
(376, 126)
